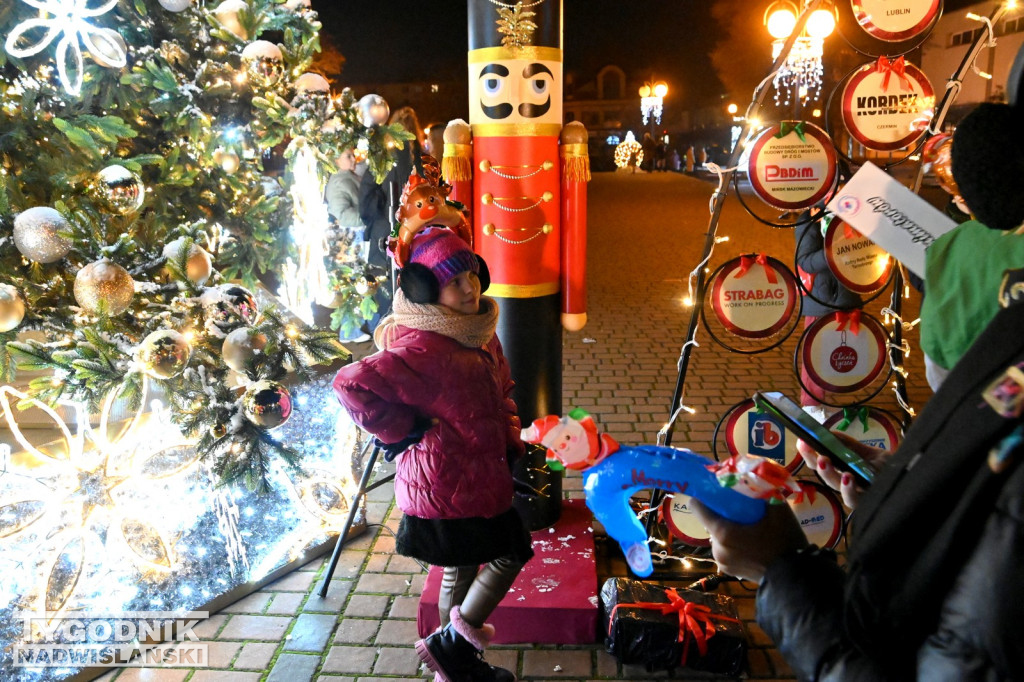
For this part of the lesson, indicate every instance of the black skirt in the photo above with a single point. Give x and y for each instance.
(464, 542)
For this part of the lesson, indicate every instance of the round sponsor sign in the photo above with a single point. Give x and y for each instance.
(758, 433)
(819, 512)
(792, 165)
(844, 352)
(754, 296)
(857, 262)
(869, 425)
(896, 20)
(887, 104)
(682, 522)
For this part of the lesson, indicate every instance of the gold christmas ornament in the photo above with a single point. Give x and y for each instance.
(12, 308)
(373, 110)
(37, 234)
(241, 346)
(104, 286)
(264, 63)
(267, 403)
(227, 159)
(227, 14)
(218, 431)
(163, 354)
(120, 188)
(198, 266)
(229, 306)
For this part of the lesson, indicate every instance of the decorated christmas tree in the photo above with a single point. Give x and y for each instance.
(157, 159)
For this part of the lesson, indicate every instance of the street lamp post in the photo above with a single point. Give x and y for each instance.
(652, 96)
(800, 77)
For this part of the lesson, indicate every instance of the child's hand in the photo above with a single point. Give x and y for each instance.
(419, 427)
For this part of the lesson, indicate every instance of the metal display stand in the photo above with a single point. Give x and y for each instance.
(353, 507)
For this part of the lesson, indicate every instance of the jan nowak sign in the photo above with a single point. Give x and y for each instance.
(890, 215)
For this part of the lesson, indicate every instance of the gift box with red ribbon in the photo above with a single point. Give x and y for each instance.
(664, 628)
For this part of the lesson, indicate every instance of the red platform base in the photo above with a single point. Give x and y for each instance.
(554, 599)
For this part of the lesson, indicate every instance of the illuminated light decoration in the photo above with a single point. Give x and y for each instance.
(626, 148)
(802, 72)
(133, 519)
(652, 97)
(307, 280)
(69, 19)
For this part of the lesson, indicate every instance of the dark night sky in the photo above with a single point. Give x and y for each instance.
(401, 40)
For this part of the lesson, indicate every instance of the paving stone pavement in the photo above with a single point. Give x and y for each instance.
(646, 234)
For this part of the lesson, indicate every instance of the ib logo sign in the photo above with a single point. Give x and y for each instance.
(765, 437)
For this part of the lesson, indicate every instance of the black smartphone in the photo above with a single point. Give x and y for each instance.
(814, 434)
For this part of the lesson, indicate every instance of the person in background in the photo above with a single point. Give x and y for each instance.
(438, 396)
(649, 147)
(378, 201)
(822, 295)
(342, 197)
(965, 267)
(434, 143)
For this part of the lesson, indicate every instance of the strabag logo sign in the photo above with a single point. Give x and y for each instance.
(110, 640)
(890, 215)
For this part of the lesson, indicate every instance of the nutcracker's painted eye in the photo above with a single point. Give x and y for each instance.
(495, 98)
(492, 86)
(539, 86)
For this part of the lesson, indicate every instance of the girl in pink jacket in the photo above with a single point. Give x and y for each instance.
(438, 393)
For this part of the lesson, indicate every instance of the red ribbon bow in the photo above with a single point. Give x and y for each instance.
(852, 318)
(804, 491)
(897, 66)
(695, 620)
(746, 262)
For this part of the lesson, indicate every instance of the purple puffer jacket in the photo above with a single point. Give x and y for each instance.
(460, 469)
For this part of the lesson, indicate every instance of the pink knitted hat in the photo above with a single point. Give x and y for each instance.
(444, 253)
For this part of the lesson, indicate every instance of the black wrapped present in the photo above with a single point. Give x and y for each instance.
(663, 628)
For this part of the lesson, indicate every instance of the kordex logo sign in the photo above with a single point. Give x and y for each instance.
(110, 640)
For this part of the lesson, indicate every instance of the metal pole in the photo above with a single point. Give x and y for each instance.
(353, 507)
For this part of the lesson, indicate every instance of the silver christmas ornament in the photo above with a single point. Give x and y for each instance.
(311, 84)
(227, 159)
(12, 308)
(229, 306)
(175, 5)
(120, 188)
(36, 234)
(163, 354)
(241, 346)
(198, 266)
(373, 110)
(264, 63)
(104, 286)
(267, 403)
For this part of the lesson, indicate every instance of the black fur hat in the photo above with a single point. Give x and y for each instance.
(988, 164)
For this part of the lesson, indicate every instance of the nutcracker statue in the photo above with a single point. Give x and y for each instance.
(524, 177)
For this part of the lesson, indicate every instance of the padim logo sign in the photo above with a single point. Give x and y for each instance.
(111, 640)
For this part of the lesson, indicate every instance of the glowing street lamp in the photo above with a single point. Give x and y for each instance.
(802, 71)
(652, 96)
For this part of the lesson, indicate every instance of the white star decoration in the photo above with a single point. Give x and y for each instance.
(71, 20)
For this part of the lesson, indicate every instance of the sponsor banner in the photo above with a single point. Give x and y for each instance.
(682, 522)
(857, 262)
(792, 165)
(754, 296)
(887, 105)
(896, 20)
(844, 352)
(819, 512)
(748, 431)
(869, 425)
(890, 215)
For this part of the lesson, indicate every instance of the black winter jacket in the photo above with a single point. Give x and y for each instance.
(932, 589)
(827, 294)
